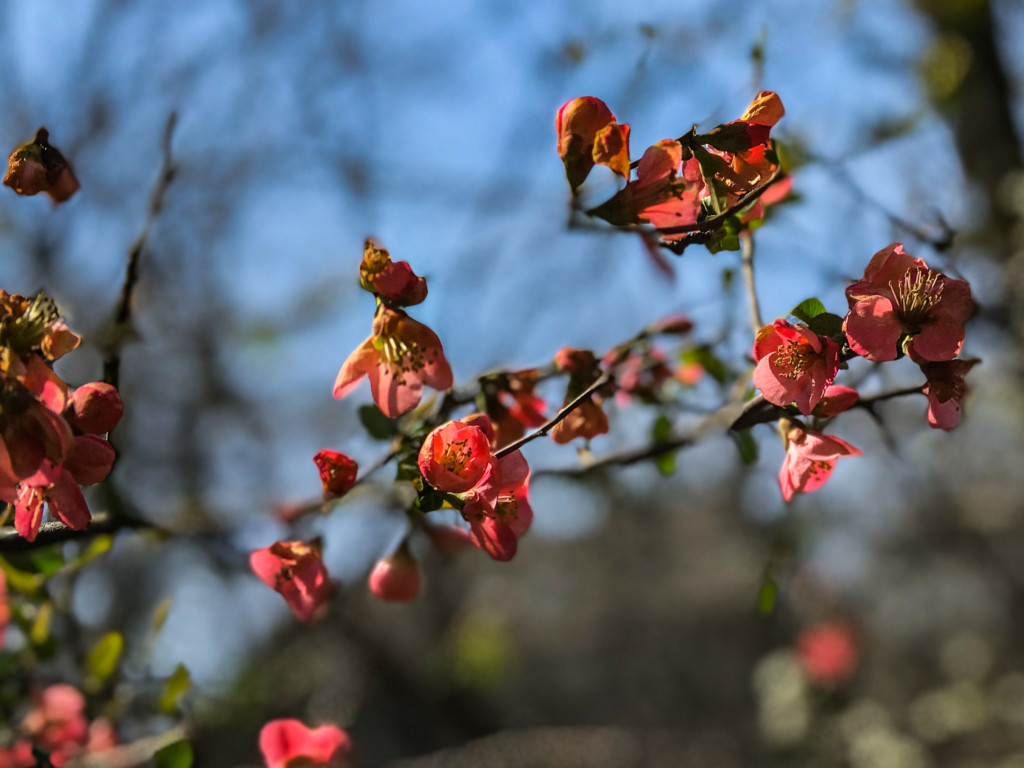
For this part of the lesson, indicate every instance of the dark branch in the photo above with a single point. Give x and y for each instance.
(56, 533)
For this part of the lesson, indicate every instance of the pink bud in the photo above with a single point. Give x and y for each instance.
(94, 408)
(396, 579)
(90, 459)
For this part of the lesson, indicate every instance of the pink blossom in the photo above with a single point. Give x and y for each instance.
(296, 570)
(836, 400)
(794, 364)
(455, 456)
(399, 357)
(810, 458)
(94, 408)
(396, 579)
(59, 490)
(946, 389)
(289, 744)
(395, 282)
(58, 719)
(828, 653)
(902, 304)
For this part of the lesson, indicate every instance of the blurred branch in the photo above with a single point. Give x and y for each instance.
(136, 753)
(56, 532)
(747, 260)
(123, 312)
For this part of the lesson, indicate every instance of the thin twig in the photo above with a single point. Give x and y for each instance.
(56, 532)
(123, 310)
(747, 259)
(546, 427)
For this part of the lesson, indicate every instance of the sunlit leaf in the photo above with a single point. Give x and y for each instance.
(807, 310)
(40, 629)
(47, 560)
(160, 615)
(176, 755)
(102, 660)
(177, 685)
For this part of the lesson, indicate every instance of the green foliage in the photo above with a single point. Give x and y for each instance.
(807, 310)
(176, 755)
(660, 433)
(707, 359)
(746, 445)
(376, 424)
(177, 685)
(102, 660)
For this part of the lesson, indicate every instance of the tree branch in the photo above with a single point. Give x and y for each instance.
(56, 532)
(123, 310)
(747, 260)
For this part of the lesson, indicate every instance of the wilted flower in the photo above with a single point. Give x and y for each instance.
(901, 298)
(588, 134)
(337, 472)
(810, 458)
(290, 744)
(39, 167)
(393, 281)
(399, 357)
(946, 389)
(587, 420)
(794, 364)
(296, 570)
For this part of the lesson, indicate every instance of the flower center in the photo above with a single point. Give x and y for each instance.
(916, 295)
(402, 355)
(456, 456)
(793, 359)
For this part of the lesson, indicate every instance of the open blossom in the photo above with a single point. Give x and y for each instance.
(794, 364)
(946, 389)
(666, 192)
(296, 570)
(457, 455)
(810, 458)
(393, 281)
(396, 579)
(399, 357)
(900, 298)
(337, 472)
(290, 744)
(588, 134)
(828, 653)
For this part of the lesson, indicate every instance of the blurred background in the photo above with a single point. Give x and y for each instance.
(647, 620)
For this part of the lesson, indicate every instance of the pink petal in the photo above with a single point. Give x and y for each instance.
(776, 388)
(282, 741)
(67, 503)
(357, 365)
(873, 329)
(939, 340)
(943, 415)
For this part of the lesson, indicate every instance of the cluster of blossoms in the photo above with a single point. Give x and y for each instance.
(687, 188)
(51, 436)
(57, 725)
(290, 744)
(900, 308)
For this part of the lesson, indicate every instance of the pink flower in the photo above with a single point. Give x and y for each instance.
(828, 654)
(394, 282)
(337, 472)
(59, 490)
(290, 744)
(458, 455)
(902, 304)
(455, 456)
(666, 192)
(396, 579)
(399, 357)
(57, 720)
(588, 134)
(810, 458)
(794, 364)
(836, 400)
(90, 459)
(296, 570)
(946, 389)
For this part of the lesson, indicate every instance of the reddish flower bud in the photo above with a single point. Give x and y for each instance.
(946, 390)
(289, 744)
(392, 281)
(396, 579)
(94, 408)
(38, 167)
(337, 472)
(90, 459)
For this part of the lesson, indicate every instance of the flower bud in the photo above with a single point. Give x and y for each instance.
(94, 408)
(396, 579)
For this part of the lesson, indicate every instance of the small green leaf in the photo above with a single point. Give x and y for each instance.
(160, 615)
(98, 546)
(177, 685)
(767, 596)
(661, 430)
(827, 324)
(746, 445)
(376, 423)
(40, 629)
(176, 755)
(807, 310)
(20, 581)
(47, 561)
(102, 660)
(666, 463)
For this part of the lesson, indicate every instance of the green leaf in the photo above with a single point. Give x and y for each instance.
(20, 581)
(177, 685)
(98, 546)
(827, 324)
(47, 560)
(102, 660)
(704, 357)
(176, 755)
(376, 423)
(660, 432)
(807, 310)
(746, 445)
(40, 629)
(160, 615)
(767, 596)
(666, 463)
